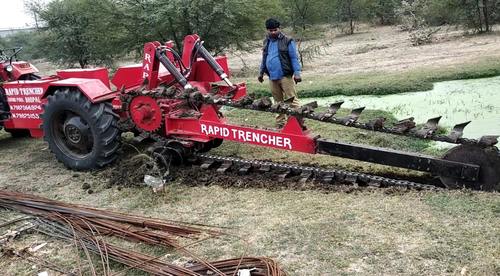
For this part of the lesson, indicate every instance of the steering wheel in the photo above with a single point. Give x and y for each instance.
(4, 57)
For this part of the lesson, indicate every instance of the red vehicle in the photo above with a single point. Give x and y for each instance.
(176, 100)
(11, 70)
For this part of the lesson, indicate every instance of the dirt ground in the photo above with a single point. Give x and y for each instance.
(373, 49)
(308, 230)
(386, 49)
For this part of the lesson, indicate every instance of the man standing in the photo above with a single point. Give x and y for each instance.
(280, 62)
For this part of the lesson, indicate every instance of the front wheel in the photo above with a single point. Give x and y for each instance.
(82, 135)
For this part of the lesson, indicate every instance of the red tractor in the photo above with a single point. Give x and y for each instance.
(176, 101)
(11, 70)
(81, 116)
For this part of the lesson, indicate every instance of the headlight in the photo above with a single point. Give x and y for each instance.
(8, 68)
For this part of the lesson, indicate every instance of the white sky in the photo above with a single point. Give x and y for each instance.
(14, 15)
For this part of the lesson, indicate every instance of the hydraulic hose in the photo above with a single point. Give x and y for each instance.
(160, 55)
(202, 51)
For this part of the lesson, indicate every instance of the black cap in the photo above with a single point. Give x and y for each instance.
(272, 23)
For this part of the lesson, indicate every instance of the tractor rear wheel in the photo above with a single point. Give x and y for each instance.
(81, 134)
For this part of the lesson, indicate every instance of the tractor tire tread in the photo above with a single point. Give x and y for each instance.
(99, 116)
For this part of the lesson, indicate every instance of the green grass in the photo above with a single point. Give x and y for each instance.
(384, 83)
(332, 132)
(338, 132)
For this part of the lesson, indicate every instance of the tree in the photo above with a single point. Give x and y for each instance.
(384, 10)
(3, 43)
(220, 23)
(29, 40)
(412, 19)
(495, 11)
(97, 32)
(304, 13)
(411, 15)
(34, 6)
(81, 31)
(479, 15)
(348, 12)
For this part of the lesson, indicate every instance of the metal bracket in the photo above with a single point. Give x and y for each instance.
(351, 118)
(225, 167)
(457, 132)
(429, 128)
(404, 125)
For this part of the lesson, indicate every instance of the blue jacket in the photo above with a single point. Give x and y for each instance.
(280, 58)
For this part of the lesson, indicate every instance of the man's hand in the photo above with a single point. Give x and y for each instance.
(297, 79)
(260, 78)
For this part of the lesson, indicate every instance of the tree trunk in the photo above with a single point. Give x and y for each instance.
(479, 12)
(486, 16)
(185, 21)
(382, 21)
(82, 63)
(351, 20)
(177, 41)
(36, 20)
(301, 56)
(303, 14)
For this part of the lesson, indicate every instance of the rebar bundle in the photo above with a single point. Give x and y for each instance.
(87, 228)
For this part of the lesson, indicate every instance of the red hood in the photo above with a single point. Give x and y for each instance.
(22, 68)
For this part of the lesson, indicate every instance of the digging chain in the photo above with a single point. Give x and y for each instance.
(325, 175)
(264, 104)
(329, 176)
(305, 111)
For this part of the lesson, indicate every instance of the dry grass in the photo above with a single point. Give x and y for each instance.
(309, 232)
(381, 60)
(386, 49)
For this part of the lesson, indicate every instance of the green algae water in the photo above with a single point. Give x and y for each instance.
(476, 100)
